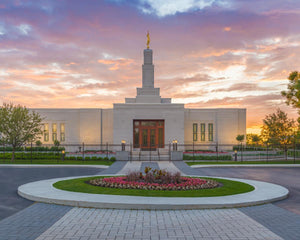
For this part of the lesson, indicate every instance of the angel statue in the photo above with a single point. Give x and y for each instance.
(148, 40)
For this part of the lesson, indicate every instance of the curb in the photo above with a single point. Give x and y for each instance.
(43, 191)
(244, 165)
(51, 165)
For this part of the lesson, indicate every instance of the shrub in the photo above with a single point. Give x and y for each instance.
(105, 159)
(149, 177)
(112, 159)
(72, 158)
(134, 176)
(79, 158)
(206, 157)
(87, 158)
(56, 143)
(94, 158)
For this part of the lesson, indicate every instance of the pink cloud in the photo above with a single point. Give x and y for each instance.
(63, 57)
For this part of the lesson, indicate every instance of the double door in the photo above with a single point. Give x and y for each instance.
(148, 134)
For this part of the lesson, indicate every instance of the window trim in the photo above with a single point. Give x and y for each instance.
(54, 133)
(62, 132)
(195, 132)
(210, 132)
(46, 132)
(202, 131)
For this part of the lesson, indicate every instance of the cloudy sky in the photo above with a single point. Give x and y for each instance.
(207, 53)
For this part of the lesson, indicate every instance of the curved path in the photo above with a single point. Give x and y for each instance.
(43, 191)
(47, 221)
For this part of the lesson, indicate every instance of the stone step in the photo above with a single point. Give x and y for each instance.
(152, 158)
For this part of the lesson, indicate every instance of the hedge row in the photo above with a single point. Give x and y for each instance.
(25, 155)
(94, 158)
(34, 149)
(204, 157)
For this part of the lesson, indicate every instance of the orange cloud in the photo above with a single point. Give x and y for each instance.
(116, 63)
(71, 63)
(227, 29)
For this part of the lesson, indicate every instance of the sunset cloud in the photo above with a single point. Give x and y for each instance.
(210, 54)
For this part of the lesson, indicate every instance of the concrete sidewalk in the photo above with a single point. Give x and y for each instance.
(43, 191)
(56, 222)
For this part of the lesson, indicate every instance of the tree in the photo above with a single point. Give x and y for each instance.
(253, 139)
(56, 143)
(293, 93)
(240, 138)
(38, 143)
(19, 126)
(278, 129)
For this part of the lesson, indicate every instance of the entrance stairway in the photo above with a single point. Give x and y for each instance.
(157, 155)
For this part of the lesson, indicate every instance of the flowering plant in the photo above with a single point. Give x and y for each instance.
(154, 180)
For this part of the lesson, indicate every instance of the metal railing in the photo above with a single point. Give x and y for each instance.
(191, 152)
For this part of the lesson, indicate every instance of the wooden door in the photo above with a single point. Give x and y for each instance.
(148, 134)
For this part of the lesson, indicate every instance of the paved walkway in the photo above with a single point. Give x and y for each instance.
(53, 222)
(49, 222)
(43, 191)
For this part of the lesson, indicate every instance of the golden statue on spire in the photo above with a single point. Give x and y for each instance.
(148, 39)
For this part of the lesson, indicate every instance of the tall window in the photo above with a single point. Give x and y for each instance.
(62, 132)
(46, 132)
(195, 131)
(210, 132)
(202, 131)
(54, 132)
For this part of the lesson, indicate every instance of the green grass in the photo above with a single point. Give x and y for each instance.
(228, 188)
(244, 162)
(55, 162)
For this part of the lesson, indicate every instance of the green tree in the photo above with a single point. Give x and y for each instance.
(292, 95)
(256, 139)
(278, 129)
(38, 143)
(253, 139)
(19, 126)
(56, 143)
(240, 138)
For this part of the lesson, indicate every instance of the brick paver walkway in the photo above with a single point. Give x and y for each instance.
(92, 224)
(31, 222)
(284, 223)
(53, 222)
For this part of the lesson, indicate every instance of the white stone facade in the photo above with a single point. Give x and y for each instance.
(187, 126)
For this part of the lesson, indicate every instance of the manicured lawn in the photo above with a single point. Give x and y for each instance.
(244, 162)
(228, 188)
(54, 161)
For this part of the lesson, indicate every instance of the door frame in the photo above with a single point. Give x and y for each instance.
(159, 124)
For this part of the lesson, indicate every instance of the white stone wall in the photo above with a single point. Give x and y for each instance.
(124, 114)
(227, 124)
(107, 126)
(84, 125)
(81, 125)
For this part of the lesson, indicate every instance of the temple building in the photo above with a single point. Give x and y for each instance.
(145, 121)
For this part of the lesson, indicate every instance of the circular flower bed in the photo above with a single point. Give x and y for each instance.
(185, 184)
(154, 179)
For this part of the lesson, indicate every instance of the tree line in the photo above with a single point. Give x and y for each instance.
(278, 128)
